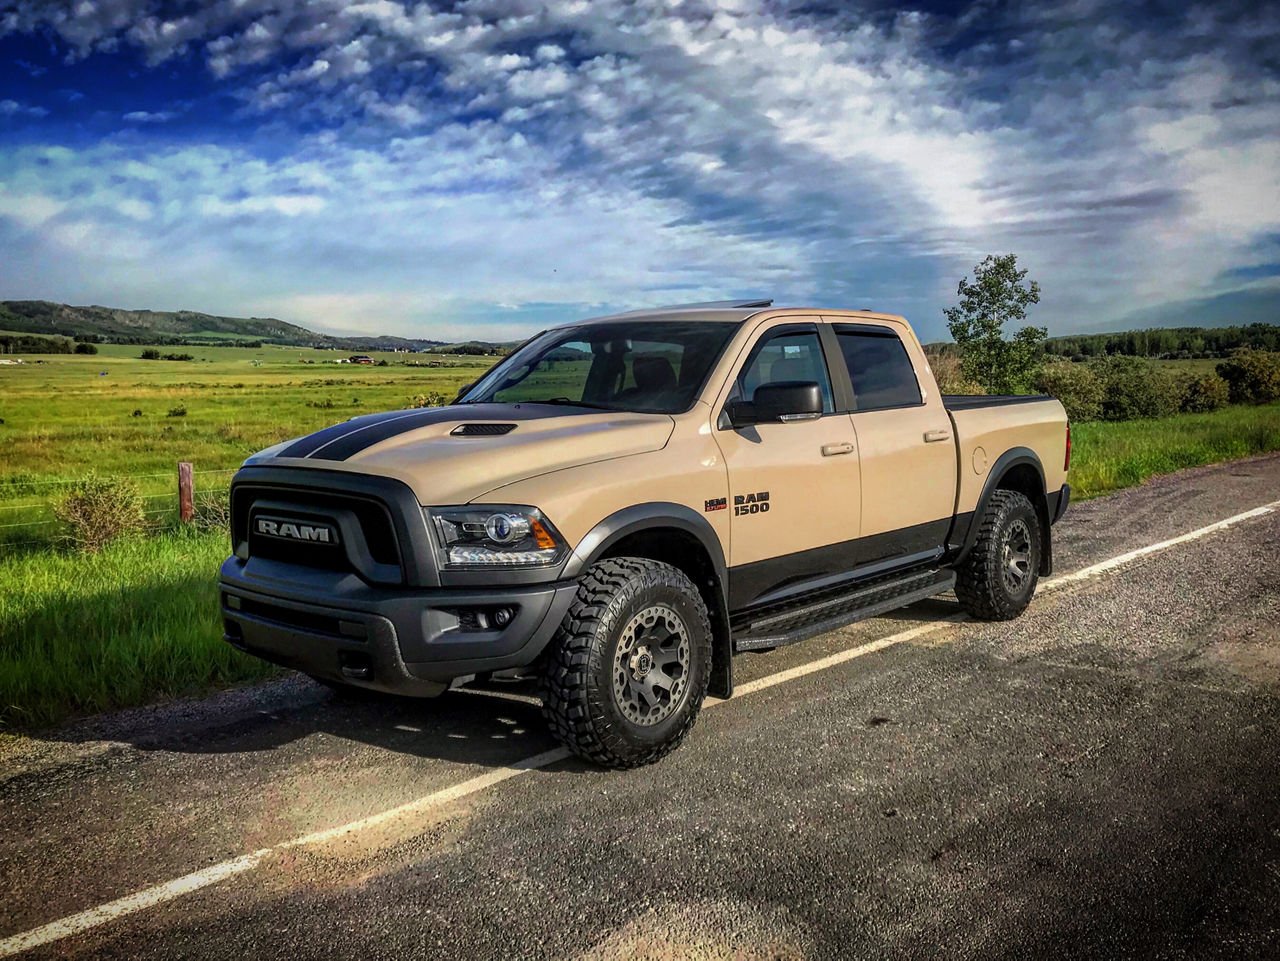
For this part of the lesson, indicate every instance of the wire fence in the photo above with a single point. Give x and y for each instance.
(35, 516)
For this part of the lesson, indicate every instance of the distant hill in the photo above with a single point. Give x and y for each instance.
(140, 326)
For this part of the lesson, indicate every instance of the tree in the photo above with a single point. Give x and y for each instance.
(997, 295)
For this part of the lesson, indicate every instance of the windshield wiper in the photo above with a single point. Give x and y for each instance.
(566, 402)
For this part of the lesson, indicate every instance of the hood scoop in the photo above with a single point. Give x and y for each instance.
(482, 430)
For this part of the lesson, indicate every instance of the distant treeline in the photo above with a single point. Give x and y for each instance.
(1161, 343)
(158, 341)
(30, 344)
(1171, 343)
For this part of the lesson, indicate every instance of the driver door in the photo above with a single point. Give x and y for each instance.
(794, 486)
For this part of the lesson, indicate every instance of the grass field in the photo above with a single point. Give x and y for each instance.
(65, 415)
(83, 634)
(1110, 456)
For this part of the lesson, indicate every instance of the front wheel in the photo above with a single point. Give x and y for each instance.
(629, 667)
(996, 581)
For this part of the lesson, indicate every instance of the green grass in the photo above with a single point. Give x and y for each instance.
(98, 632)
(72, 414)
(1111, 456)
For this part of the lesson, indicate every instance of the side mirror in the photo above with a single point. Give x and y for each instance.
(462, 390)
(787, 400)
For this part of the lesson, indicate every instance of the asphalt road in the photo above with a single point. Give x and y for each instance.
(1099, 778)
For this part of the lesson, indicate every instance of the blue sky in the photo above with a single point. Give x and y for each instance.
(478, 169)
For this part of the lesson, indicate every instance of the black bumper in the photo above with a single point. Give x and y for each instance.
(402, 640)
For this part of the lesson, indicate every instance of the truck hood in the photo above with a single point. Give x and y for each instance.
(452, 455)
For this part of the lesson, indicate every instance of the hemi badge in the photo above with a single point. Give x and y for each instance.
(716, 504)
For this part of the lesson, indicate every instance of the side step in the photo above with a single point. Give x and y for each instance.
(798, 624)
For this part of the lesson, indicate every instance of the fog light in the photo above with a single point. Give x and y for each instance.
(502, 616)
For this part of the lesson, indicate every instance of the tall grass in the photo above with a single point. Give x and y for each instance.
(1108, 456)
(84, 633)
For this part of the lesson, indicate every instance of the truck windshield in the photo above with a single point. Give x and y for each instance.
(656, 367)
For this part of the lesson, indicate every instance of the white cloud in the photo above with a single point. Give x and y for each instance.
(698, 148)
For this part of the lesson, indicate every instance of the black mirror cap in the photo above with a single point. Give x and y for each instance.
(786, 399)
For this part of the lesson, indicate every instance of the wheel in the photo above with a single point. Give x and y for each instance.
(628, 669)
(997, 579)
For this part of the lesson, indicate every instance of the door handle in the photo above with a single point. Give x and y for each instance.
(830, 450)
(933, 436)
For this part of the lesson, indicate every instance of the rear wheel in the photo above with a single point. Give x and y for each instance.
(998, 578)
(628, 670)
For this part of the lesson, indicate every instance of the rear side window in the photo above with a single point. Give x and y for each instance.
(879, 367)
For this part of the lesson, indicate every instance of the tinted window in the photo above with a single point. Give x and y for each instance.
(788, 356)
(880, 368)
(643, 366)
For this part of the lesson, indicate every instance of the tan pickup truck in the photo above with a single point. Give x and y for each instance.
(624, 503)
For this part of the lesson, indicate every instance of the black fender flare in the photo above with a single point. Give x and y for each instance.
(1014, 457)
(658, 515)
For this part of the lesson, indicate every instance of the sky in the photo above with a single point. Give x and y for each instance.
(482, 169)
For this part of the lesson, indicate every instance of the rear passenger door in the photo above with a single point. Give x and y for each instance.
(793, 486)
(908, 454)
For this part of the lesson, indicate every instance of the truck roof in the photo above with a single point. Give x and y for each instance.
(729, 311)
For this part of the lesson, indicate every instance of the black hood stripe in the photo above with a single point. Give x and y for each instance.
(342, 441)
(307, 446)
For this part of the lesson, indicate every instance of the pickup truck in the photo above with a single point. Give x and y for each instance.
(622, 504)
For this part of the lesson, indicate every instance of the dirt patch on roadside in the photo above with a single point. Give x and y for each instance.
(703, 931)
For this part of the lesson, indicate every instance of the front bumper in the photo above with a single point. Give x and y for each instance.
(401, 640)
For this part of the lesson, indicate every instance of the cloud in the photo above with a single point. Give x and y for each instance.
(428, 160)
(146, 116)
(12, 108)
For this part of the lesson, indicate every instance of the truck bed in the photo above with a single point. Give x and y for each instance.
(975, 401)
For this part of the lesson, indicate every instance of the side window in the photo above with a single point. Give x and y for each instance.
(880, 369)
(787, 355)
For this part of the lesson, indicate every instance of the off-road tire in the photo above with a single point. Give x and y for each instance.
(981, 583)
(578, 681)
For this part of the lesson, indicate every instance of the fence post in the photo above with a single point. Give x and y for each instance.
(186, 495)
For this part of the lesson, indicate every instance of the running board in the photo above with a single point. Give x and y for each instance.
(798, 624)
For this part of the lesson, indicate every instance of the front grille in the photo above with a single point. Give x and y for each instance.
(367, 544)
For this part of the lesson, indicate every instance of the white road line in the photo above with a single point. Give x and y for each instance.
(76, 923)
(1103, 566)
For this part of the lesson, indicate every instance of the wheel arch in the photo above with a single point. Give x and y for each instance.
(1017, 469)
(677, 535)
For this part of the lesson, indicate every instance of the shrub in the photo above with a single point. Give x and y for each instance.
(430, 399)
(149, 354)
(86, 349)
(178, 357)
(1134, 388)
(949, 373)
(1076, 385)
(179, 411)
(1252, 376)
(212, 511)
(1201, 393)
(136, 413)
(99, 509)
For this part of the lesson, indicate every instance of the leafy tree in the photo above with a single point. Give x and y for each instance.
(1252, 376)
(998, 294)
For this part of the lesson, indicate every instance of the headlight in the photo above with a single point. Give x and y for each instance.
(493, 535)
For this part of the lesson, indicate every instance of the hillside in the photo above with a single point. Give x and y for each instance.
(111, 323)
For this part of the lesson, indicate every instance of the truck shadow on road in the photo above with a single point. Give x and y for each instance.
(490, 727)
